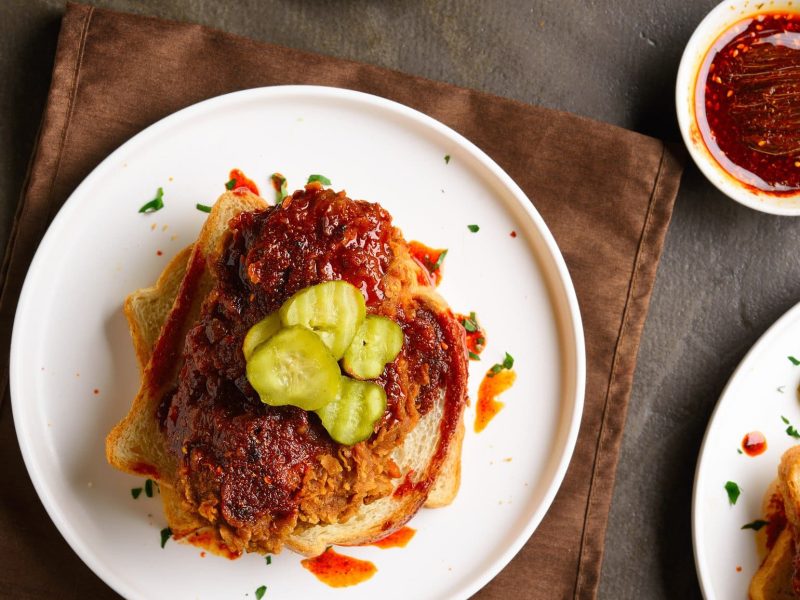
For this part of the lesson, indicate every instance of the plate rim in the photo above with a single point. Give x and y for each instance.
(703, 576)
(561, 284)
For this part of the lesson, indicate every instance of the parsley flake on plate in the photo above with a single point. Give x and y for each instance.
(439, 260)
(320, 178)
(260, 592)
(755, 525)
(733, 492)
(474, 228)
(508, 363)
(155, 204)
(203, 207)
(166, 533)
(279, 183)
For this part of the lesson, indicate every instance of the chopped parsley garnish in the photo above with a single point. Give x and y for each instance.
(320, 178)
(470, 323)
(439, 260)
(260, 592)
(268, 558)
(790, 430)
(474, 356)
(155, 204)
(793, 360)
(279, 183)
(135, 492)
(733, 492)
(166, 533)
(474, 228)
(781, 389)
(508, 363)
(230, 184)
(739, 451)
(447, 159)
(755, 525)
(203, 207)
(148, 488)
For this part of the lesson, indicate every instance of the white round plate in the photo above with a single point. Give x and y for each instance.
(70, 336)
(761, 393)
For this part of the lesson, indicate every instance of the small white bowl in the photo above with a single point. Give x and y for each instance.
(719, 20)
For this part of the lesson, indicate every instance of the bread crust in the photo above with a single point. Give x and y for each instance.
(777, 577)
(133, 445)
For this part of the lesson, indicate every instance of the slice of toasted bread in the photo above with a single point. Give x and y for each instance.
(146, 310)
(773, 580)
(136, 444)
(150, 310)
(776, 578)
(789, 485)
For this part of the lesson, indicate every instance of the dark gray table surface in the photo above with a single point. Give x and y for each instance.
(726, 273)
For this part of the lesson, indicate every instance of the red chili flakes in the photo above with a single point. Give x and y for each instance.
(513, 233)
(159, 253)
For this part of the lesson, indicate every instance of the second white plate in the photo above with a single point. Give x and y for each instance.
(761, 393)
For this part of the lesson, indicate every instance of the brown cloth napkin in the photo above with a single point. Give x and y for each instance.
(605, 193)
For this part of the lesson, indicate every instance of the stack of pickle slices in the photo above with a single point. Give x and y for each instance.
(293, 358)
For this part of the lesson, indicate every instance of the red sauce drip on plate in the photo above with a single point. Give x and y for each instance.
(338, 570)
(492, 386)
(205, 538)
(242, 182)
(430, 259)
(747, 102)
(476, 340)
(398, 539)
(754, 443)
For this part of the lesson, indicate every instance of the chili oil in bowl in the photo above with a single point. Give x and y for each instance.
(738, 102)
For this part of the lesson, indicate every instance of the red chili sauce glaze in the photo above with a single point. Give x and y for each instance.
(338, 570)
(398, 539)
(241, 182)
(747, 102)
(430, 259)
(476, 335)
(250, 458)
(754, 443)
(491, 387)
(776, 519)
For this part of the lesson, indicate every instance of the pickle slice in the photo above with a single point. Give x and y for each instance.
(351, 417)
(334, 310)
(260, 333)
(294, 367)
(378, 341)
